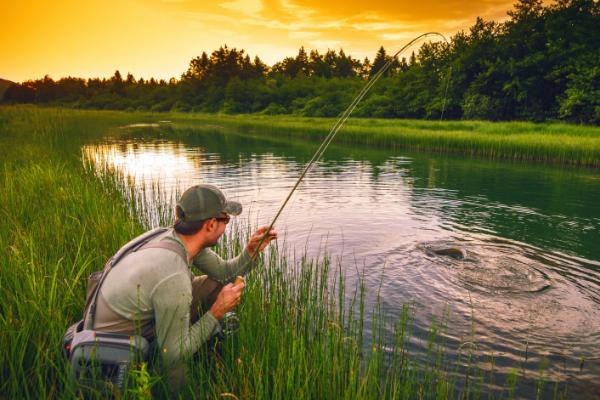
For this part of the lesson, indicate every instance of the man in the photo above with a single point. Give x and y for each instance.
(153, 291)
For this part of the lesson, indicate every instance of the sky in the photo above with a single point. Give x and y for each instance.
(158, 38)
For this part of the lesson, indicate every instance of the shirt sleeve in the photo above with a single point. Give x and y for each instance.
(177, 340)
(222, 270)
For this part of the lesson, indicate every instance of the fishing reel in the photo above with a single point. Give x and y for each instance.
(230, 324)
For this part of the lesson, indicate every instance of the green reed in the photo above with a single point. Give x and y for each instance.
(302, 330)
(58, 223)
(544, 142)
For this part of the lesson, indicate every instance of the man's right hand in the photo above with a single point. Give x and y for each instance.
(229, 297)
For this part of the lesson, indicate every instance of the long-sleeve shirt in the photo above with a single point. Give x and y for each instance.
(153, 287)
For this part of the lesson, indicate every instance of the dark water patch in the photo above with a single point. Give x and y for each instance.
(445, 249)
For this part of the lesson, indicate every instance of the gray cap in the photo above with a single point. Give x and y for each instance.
(202, 202)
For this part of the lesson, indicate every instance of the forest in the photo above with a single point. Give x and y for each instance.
(541, 64)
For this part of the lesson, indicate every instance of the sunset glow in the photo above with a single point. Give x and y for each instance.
(157, 38)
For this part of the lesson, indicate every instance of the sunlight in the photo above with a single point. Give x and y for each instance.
(146, 163)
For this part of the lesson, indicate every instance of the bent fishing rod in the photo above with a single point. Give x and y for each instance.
(339, 123)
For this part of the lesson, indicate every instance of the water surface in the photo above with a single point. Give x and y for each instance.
(528, 281)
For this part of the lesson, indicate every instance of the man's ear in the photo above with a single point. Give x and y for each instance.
(210, 225)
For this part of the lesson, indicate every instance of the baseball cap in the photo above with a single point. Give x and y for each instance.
(202, 202)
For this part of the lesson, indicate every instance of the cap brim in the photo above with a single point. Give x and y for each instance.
(232, 208)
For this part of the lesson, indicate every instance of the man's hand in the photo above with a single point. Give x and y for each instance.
(256, 238)
(229, 297)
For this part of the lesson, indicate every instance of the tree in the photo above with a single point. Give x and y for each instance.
(541, 63)
(365, 69)
(302, 62)
(117, 83)
(317, 65)
(197, 68)
(292, 67)
(379, 62)
(345, 66)
(45, 89)
(259, 67)
(581, 101)
(20, 93)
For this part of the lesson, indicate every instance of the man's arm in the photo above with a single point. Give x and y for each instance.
(177, 340)
(224, 271)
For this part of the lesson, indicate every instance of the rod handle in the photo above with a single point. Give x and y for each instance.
(238, 280)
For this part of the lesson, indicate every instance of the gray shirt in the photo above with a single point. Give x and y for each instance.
(153, 287)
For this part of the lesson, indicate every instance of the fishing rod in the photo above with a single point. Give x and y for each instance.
(340, 122)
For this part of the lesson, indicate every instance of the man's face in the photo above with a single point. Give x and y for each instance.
(218, 226)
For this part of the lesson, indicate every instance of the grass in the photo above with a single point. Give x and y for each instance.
(300, 337)
(57, 224)
(548, 142)
(556, 143)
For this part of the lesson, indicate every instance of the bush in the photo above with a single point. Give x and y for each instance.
(274, 109)
(181, 105)
(581, 101)
(377, 105)
(162, 106)
(478, 106)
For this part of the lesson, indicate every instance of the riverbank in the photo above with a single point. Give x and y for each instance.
(299, 339)
(556, 143)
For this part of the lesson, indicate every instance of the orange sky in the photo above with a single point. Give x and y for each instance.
(88, 38)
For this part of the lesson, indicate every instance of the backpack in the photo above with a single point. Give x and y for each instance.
(102, 360)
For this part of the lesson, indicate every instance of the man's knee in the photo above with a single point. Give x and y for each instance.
(204, 293)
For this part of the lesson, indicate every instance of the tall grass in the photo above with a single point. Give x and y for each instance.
(58, 223)
(548, 142)
(299, 336)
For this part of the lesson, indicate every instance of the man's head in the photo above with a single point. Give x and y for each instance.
(204, 206)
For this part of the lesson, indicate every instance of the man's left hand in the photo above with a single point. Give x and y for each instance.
(257, 237)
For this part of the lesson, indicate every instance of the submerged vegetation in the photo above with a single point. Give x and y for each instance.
(299, 336)
(541, 63)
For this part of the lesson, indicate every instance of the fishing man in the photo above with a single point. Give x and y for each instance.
(154, 293)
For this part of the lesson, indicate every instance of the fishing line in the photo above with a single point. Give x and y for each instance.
(446, 92)
(340, 122)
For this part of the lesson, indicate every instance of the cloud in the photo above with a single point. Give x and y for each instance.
(159, 37)
(248, 7)
(407, 11)
(397, 36)
(329, 44)
(303, 35)
(357, 26)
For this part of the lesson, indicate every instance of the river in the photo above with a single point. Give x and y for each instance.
(525, 285)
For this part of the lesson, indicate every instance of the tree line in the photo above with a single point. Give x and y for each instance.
(542, 63)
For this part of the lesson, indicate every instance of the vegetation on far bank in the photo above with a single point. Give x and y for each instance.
(299, 338)
(542, 63)
(555, 143)
(538, 142)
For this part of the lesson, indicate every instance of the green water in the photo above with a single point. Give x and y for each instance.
(530, 278)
